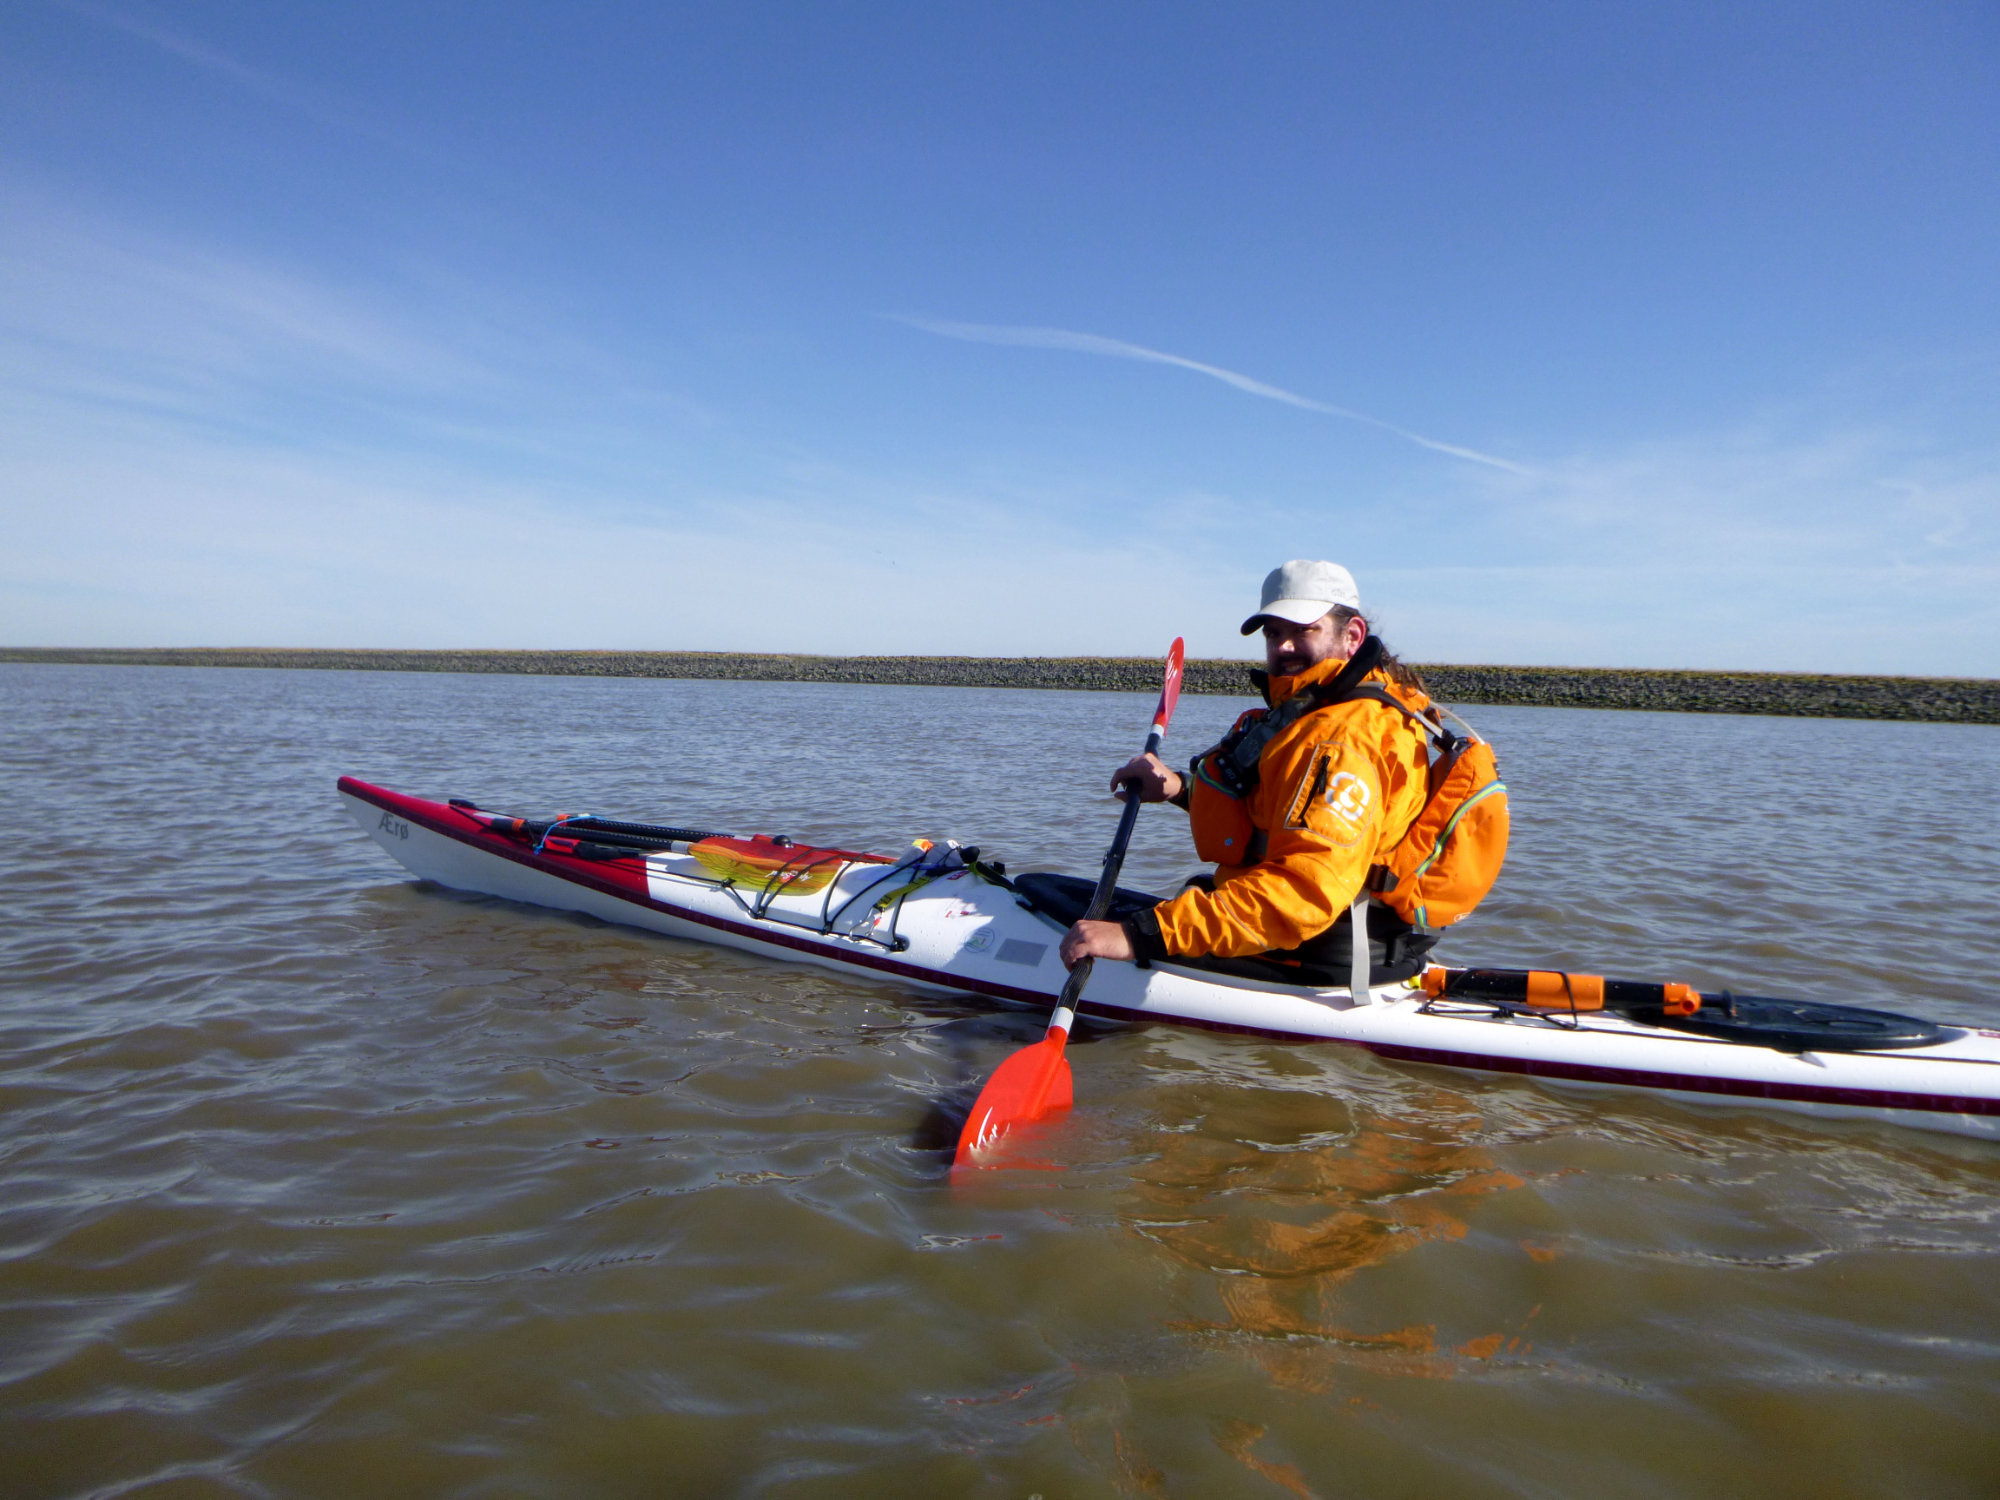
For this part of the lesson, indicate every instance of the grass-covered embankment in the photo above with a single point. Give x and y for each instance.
(1967, 700)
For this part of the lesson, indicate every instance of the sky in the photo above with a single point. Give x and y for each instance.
(1656, 335)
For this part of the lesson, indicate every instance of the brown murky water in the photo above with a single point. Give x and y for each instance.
(315, 1181)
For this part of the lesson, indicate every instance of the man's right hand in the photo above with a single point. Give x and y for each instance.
(1156, 783)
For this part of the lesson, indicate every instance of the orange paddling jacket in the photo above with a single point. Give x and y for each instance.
(1336, 789)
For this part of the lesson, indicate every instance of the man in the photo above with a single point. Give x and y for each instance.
(1296, 804)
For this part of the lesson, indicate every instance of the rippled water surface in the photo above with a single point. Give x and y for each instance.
(317, 1181)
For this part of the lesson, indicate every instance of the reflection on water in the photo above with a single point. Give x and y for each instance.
(317, 1181)
(1280, 1230)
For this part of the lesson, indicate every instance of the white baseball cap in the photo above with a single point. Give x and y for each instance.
(1303, 590)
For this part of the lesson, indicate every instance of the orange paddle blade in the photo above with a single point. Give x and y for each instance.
(1170, 688)
(1031, 1085)
(1034, 1083)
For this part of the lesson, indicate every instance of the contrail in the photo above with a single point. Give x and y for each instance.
(324, 109)
(1090, 343)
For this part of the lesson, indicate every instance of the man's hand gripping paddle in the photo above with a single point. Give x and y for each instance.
(1035, 1082)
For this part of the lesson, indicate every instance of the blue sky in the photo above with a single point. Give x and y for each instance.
(1655, 335)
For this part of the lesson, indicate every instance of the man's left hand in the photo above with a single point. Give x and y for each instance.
(1095, 940)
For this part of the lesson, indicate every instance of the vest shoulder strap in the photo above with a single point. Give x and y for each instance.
(1237, 757)
(1432, 727)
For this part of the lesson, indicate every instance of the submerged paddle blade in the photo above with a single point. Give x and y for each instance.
(1031, 1085)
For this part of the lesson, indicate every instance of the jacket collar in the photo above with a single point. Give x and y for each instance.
(1363, 664)
(1287, 687)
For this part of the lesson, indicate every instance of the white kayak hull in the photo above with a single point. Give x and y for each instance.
(960, 933)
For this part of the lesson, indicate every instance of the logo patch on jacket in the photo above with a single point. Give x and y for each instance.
(1348, 798)
(1336, 802)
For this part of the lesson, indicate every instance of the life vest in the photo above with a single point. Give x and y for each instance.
(1443, 864)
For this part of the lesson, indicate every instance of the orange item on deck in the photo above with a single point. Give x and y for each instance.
(1681, 999)
(1548, 989)
(794, 869)
(1565, 991)
(1543, 987)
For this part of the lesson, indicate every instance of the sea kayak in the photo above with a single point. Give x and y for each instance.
(940, 920)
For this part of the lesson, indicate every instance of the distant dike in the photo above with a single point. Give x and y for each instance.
(1961, 700)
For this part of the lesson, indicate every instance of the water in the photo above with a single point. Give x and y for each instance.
(318, 1182)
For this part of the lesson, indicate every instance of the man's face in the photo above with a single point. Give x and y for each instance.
(1290, 648)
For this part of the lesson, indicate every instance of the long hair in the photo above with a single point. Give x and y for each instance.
(1399, 671)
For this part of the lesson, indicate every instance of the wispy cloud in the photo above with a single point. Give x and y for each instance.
(1091, 343)
(80, 295)
(198, 444)
(105, 324)
(119, 530)
(194, 52)
(314, 104)
(1808, 491)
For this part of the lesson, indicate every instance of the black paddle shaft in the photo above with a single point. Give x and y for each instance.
(1107, 883)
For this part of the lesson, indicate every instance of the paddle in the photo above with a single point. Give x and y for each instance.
(1035, 1081)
